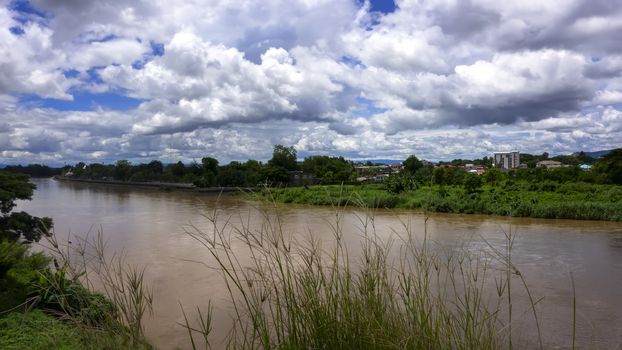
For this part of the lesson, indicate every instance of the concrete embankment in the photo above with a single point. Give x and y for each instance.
(161, 185)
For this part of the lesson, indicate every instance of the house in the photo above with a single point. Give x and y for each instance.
(506, 160)
(469, 167)
(585, 167)
(549, 164)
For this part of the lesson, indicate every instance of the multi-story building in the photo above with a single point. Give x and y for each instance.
(507, 160)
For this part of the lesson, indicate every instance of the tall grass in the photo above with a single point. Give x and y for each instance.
(83, 269)
(399, 293)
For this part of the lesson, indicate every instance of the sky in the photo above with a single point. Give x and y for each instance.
(103, 80)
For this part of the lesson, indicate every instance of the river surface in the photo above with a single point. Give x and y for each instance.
(149, 225)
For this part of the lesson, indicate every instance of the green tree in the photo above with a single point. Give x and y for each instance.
(276, 175)
(610, 166)
(19, 226)
(284, 157)
(329, 169)
(492, 176)
(123, 170)
(472, 183)
(253, 170)
(210, 165)
(399, 183)
(156, 167)
(412, 164)
(439, 176)
(177, 169)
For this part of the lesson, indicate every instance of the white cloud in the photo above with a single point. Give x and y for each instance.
(327, 76)
(101, 54)
(607, 97)
(29, 63)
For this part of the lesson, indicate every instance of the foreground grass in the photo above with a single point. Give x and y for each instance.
(36, 330)
(566, 201)
(45, 307)
(389, 294)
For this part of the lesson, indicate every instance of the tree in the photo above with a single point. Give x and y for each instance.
(210, 165)
(472, 183)
(284, 157)
(123, 170)
(276, 175)
(439, 176)
(19, 226)
(177, 169)
(610, 166)
(492, 176)
(412, 164)
(156, 167)
(329, 169)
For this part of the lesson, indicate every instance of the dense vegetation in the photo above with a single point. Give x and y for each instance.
(277, 171)
(34, 170)
(564, 193)
(18, 226)
(41, 306)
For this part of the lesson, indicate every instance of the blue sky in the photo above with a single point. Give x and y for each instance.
(115, 79)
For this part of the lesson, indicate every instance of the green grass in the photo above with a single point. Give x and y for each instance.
(544, 200)
(45, 307)
(36, 330)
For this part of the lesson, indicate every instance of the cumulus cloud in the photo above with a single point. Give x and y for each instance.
(29, 63)
(438, 78)
(197, 84)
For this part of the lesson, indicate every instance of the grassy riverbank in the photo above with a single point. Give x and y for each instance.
(542, 200)
(56, 307)
(37, 330)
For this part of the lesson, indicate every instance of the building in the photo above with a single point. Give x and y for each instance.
(507, 160)
(585, 167)
(549, 164)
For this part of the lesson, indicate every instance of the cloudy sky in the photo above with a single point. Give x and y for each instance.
(101, 80)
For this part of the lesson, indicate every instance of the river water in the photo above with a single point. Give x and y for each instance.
(149, 225)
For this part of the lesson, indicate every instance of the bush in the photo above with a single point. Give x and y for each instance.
(19, 271)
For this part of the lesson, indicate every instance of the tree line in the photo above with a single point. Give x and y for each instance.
(210, 173)
(334, 170)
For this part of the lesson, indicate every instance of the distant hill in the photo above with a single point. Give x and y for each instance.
(596, 154)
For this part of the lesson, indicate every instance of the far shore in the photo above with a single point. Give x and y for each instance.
(159, 185)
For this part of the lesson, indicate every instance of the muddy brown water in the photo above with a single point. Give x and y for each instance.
(149, 226)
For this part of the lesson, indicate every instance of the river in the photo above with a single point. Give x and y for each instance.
(149, 226)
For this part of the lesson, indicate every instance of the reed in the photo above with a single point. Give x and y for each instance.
(100, 294)
(397, 293)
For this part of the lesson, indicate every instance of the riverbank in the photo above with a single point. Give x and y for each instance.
(548, 200)
(578, 201)
(54, 306)
(159, 185)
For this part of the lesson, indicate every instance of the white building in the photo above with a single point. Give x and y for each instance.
(507, 160)
(549, 164)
